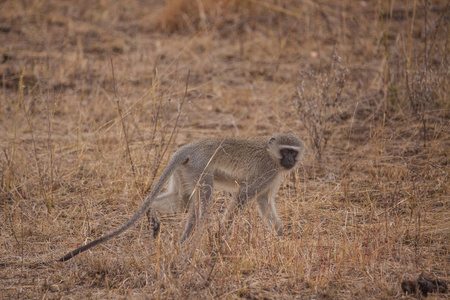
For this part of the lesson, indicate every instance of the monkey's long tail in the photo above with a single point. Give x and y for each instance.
(174, 162)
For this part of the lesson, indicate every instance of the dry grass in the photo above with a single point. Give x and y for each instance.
(375, 212)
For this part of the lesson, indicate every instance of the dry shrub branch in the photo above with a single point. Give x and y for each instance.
(318, 102)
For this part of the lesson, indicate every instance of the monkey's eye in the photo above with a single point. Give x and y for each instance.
(284, 152)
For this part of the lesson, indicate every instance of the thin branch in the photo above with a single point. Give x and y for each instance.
(180, 106)
(116, 99)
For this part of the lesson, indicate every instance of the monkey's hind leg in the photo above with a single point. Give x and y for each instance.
(154, 222)
(168, 202)
(199, 206)
(236, 205)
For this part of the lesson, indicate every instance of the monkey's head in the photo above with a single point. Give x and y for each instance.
(287, 149)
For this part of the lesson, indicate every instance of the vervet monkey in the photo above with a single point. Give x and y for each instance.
(249, 168)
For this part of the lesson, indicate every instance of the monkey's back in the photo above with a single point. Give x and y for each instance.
(231, 160)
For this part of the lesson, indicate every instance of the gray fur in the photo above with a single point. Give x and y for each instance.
(249, 168)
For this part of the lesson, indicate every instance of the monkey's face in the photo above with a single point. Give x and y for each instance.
(288, 158)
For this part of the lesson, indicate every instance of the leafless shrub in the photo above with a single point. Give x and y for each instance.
(421, 91)
(426, 72)
(318, 102)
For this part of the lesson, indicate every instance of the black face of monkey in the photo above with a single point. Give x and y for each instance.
(288, 157)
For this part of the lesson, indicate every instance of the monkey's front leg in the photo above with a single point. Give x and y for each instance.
(268, 212)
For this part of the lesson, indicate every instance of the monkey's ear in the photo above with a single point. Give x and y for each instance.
(272, 140)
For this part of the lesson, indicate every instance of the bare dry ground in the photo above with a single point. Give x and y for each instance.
(365, 83)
